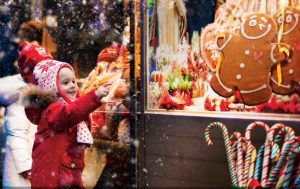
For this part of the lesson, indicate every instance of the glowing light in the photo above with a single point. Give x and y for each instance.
(283, 3)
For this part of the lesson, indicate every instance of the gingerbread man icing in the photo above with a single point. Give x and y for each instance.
(290, 68)
(247, 58)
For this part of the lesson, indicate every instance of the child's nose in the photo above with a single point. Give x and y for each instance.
(73, 85)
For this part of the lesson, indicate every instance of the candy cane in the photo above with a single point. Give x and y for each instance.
(234, 149)
(252, 163)
(248, 152)
(247, 166)
(234, 141)
(258, 163)
(234, 144)
(240, 160)
(227, 147)
(268, 144)
(290, 165)
(275, 152)
(296, 183)
(279, 136)
(287, 145)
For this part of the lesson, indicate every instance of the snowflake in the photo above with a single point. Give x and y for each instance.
(44, 68)
(114, 175)
(145, 170)
(136, 143)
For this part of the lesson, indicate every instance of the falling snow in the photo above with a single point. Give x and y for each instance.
(80, 29)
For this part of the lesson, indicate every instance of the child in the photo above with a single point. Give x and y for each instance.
(19, 132)
(62, 134)
(19, 135)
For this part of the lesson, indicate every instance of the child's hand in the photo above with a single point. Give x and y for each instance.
(117, 91)
(103, 90)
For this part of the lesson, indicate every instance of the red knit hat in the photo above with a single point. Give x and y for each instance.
(29, 56)
(110, 53)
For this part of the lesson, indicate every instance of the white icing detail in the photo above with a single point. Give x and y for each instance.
(226, 42)
(254, 90)
(247, 52)
(289, 60)
(296, 22)
(253, 16)
(289, 12)
(272, 54)
(238, 76)
(252, 23)
(261, 26)
(254, 37)
(215, 54)
(224, 87)
(291, 71)
(242, 65)
(264, 19)
(280, 85)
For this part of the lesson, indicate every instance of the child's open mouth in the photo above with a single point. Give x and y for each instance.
(72, 93)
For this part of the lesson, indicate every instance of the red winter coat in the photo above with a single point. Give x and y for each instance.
(58, 160)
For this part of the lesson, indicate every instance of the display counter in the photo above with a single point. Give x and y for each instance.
(182, 98)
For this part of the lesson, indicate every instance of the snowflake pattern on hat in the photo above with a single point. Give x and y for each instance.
(45, 74)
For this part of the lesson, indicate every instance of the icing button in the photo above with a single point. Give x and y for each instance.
(247, 52)
(291, 71)
(73, 165)
(289, 60)
(242, 65)
(238, 76)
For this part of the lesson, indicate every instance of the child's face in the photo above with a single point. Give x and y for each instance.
(67, 83)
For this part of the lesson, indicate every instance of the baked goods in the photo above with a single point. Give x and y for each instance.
(290, 69)
(246, 59)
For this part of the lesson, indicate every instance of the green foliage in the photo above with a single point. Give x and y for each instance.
(179, 82)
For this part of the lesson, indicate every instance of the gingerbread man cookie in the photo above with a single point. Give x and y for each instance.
(227, 17)
(290, 69)
(247, 58)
